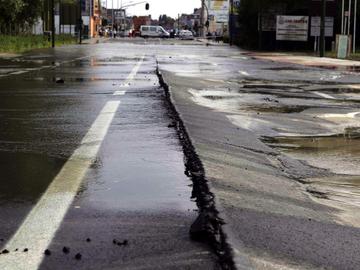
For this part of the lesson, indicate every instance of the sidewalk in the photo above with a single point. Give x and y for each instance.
(211, 42)
(95, 40)
(305, 60)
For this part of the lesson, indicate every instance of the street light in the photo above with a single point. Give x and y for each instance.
(355, 19)
(52, 7)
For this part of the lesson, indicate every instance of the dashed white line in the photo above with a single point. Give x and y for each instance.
(323, 95)
(42, 223)
(129, 78)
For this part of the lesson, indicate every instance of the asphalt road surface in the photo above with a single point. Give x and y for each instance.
(91, 162)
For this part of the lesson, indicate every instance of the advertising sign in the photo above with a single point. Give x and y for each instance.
(315, 26)
(220, 10)
(293, 28)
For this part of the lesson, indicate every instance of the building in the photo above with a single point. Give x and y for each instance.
(67, 16)
(95, 17)
(120, 20)
(257, 25)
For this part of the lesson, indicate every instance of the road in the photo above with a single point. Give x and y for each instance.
(92, 151)
(89, 155)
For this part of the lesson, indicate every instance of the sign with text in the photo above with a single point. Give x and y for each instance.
(220, 10)
(315, 26)
(293, 28)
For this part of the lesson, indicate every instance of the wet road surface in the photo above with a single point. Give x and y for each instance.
(278, 142)
(279, 145)
(91, 167)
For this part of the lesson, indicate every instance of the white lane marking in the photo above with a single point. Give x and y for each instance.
(323, 95)
(244, 73)
(42, 223)
(130, 77)
(134, 71)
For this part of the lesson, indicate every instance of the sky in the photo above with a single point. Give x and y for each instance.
(158, 7)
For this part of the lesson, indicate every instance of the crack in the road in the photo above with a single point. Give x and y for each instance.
(208, 226)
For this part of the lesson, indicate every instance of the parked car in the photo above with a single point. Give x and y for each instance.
(153, 31)
(186, 34)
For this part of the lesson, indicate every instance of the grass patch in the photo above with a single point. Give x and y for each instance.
(23, 43)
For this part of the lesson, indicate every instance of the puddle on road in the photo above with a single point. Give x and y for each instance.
(268, 108)
(338, 154)
(25, 175)
(339, 68)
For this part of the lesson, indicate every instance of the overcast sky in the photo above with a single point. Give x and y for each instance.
(159, 7)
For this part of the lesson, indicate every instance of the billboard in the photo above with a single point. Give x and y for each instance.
(219, 9)
(293, 28)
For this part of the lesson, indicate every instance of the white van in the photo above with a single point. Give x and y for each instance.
(153, 31)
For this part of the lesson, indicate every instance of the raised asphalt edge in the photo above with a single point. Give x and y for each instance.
(208, 227)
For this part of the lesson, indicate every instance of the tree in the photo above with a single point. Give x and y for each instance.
(17, 15)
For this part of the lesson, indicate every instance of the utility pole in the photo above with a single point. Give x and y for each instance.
(80, 22)
(260, 22)
(322, 28)
(112, 18)
(52, 12)
(342, 16)
(231, 22)
(202, 15)
(355, 21)
(349, 21)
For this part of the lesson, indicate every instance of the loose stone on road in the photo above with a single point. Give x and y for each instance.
(120, 172)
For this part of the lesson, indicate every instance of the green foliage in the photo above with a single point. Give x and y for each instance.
(22, 43)
(16, 15)
(166, 21)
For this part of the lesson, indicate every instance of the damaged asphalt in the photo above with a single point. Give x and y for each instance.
(254, 159)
